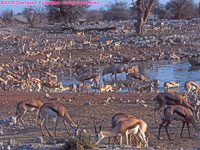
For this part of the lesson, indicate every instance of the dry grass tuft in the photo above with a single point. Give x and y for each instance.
(80, 142)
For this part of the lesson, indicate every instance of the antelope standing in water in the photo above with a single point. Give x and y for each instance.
(86, 77)
(170, 84)
(115, 68)
(192, 86)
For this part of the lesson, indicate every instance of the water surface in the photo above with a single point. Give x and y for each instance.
(164, 71)
(160, 70)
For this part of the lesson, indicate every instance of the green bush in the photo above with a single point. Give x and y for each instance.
(81, 142)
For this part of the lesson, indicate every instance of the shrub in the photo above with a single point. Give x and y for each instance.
(80, 142)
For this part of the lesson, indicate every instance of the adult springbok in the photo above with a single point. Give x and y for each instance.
(138, 76)
(170, 84)
(164, 99)
(124, 128)
(178, 113)
(28, 105)
(86, 77)
(56, 110)
(192, 86)
(121, 117)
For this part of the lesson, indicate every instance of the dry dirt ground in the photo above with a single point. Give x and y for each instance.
(87, 114)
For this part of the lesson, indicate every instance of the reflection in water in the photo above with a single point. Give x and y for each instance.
(163, 71)
(160, 70)
(194, 68)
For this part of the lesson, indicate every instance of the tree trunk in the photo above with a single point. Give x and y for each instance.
(63, 14)
(140, 26)
(33, 20)
(143, 14)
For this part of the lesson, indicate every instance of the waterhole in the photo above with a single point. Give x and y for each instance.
(161, 70)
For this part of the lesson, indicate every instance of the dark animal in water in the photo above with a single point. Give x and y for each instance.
(116, 68)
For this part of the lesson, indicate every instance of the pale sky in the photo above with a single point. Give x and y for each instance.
(102, 3)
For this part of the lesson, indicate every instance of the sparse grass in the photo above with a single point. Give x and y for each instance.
(156, 34)
(81, 142)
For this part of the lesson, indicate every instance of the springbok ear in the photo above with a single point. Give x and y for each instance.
(78, 124)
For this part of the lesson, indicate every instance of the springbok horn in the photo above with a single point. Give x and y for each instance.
(95, 128)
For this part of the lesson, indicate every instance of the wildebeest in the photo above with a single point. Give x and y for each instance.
(117, 68)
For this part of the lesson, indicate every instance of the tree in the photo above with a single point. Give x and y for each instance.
(195, 13)
(180, 9)
(199, 9)
(94, 16)
(144, 8)
(7, 16)
(66, 12)
(28, 14)
(159, 11)
(34, 15)
(116, 11)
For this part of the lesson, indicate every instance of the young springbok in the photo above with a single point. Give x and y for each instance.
(56, 110)
(124, 128)
(179, 113)
(28, 105)
(164, 99)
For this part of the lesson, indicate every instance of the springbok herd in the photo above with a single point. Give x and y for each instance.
(38, 66)
(36, 75)
(173, 105)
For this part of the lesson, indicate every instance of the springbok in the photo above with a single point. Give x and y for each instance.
(164, 99)
(121, 117)
(178, 113)
(48, 74)
(56, 110)
(138, 76)
(52, 85)
(173, 56)
(130, 126)
(3, 83)
(86, 77)
(170, 84)
(28, 105)
(17, 84)
(192, 86)
(106, 88)
(35, 83)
